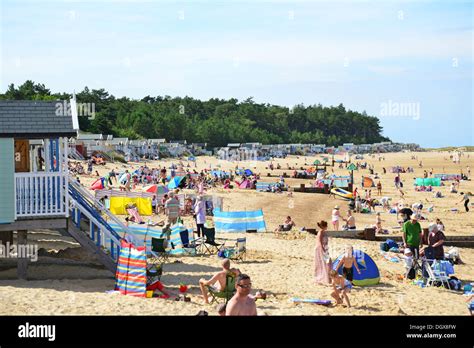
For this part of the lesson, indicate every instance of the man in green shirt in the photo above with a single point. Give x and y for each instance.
(412, 235)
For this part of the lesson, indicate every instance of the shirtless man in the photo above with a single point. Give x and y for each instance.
(218, 280)
(242, 303)
(347, 262)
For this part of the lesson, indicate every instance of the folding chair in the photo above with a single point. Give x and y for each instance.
(189, 247)
(227, 292)
(238, 252)
(158, 250)
(438, 275)
(209, 245)
(153, 272)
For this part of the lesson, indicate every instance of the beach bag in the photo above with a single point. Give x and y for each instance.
(429, 253)
(391, 244)
(384, 246)
(455, 283)
(401, 184)
(411, 274)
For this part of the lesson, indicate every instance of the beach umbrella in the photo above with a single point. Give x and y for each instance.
(317, 162)
(157, 189)
(351, 167)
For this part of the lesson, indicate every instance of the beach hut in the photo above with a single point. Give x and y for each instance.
(369, 272)
(33, 162)
(37, 192)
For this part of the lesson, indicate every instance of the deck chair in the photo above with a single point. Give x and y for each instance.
(238, 252)
(208, 245)
(189, 247)
(153, 272)
(158, 250)
(228, 291)
(435, 275)
(133, 212)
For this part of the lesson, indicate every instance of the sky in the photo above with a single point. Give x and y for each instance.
(409, 63)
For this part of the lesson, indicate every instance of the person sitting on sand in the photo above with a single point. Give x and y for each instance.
(341, 288)
(218, 281)
(350, 222)
(287, 225)
(347, 262)
(242, 303)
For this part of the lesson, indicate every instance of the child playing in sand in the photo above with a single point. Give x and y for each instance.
(341, 288)
(347, 262)
(408, 258)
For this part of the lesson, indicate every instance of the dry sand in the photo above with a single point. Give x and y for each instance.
(72, 282)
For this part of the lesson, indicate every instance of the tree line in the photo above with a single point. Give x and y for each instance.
(216, 122)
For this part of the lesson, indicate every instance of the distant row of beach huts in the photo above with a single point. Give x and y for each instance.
(86, 145)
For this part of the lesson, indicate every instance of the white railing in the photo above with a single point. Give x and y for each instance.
(41, 194)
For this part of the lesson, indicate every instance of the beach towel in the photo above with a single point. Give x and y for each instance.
(311, 300)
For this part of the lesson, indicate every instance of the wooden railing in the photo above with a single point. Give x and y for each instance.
(41, 194)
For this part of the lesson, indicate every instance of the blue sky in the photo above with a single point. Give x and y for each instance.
(364, 54)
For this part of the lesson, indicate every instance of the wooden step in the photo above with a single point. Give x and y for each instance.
(83, 239)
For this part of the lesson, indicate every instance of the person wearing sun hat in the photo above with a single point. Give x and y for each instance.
(322, 260)
(335, 218)
(412, 235)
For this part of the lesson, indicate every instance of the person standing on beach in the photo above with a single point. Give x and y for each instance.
(200, 215)
(335, 218)
(412, 235)
(347, 262)
(465, 199)
(379, 188)
(172, 212)
(436, 239)
(322, 260)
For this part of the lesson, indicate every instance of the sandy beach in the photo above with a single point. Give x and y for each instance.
(67, 281)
